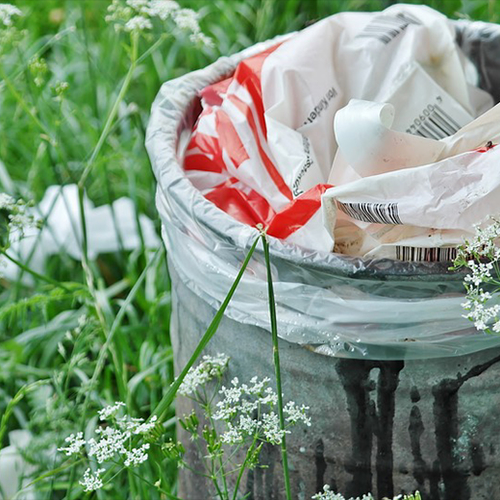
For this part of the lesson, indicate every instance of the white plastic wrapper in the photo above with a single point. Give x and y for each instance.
(419, 213)
(62, 231)
(335, 304)
(263, 148)
(15, 471)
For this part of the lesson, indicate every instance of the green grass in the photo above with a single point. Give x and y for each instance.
(52, 383)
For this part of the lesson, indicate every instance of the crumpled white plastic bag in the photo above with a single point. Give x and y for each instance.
(14, 470)
(62, 231)
(428, 195)
(267, 130)
(360, 56)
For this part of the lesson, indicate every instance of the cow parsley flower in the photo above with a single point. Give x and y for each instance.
(328, 494)
(138, 23)
(92, 481)
(7, 14)
(118, 441)
(248, 411)
(138, 4)
(137, 425)
(75, 444)
(296, 413)
(15, 218)
(187, 19)
(245, 417)
(138, 16)
(211, 367)
(7, 202)
(111, 442)
(162, 9)
(59, 90)
(137, 456)
(481, 255)
(110, 411)
(9, 34)
(38, 69)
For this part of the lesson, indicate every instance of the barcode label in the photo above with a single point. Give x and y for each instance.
(378, 213)
(417, 254)
(386, 28)
(434, 123)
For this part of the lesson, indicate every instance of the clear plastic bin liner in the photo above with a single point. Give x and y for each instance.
(335, 305)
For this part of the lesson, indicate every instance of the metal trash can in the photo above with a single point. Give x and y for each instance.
(403, 391)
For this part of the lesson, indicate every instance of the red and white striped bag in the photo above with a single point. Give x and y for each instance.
(263, 146)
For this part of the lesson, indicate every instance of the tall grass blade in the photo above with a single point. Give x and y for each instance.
(163, 406)
(277, 369)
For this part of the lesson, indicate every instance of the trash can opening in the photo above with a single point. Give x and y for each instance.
(364, 134)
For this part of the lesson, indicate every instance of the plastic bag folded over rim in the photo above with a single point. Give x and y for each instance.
(335, 305)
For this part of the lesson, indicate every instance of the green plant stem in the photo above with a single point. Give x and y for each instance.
(36, 275)
(114, 327)
(153, 486)
(81, 184)
(153, 47)
(17, 96)
(277, 369)
(213, 477)
(223, 475)
(85, 261)
(243, 467)
(48, 474)
(120, 378)
(114, 111)
(13, 402)
(161, 409)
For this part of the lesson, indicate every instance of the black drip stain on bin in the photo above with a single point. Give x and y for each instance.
(477, 458)
(416, 429)
(319, 458)
(453, 474)
(415, 394)
(368, 421)
(421, 471)
(354, 376)
(386, 392)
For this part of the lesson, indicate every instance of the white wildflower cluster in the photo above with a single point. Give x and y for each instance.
(7, 14)
(7, 202)
(138, 15)
(15, 216)
(110, 411)
(247, 410)
(114, 442)
(295, 414)
(75, 444)
(328, 494)
(92, 480)
(211, 367)
(484, 243)
(9, 34)
(481, 256)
